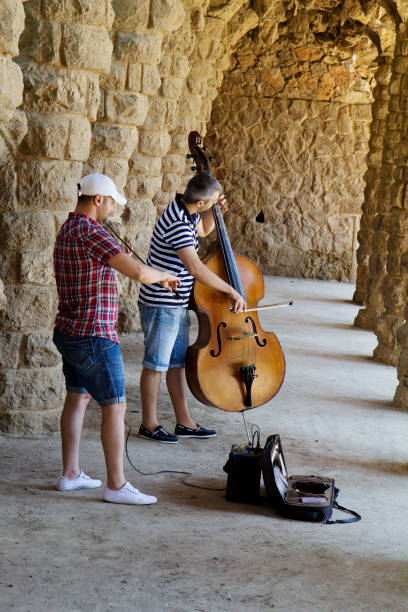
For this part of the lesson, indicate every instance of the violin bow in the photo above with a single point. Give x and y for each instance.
(136, 255)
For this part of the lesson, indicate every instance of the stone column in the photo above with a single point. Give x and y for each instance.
(387, 295)
(65, 46)
(372, 250)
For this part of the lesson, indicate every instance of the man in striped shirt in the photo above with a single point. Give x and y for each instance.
(164, 317)
(85, 259)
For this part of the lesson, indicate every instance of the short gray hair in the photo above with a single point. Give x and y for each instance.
(201, 187)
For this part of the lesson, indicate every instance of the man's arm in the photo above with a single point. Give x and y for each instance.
(142, 272)
(195, 266)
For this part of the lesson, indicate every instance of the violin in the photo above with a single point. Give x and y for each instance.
(234, 364)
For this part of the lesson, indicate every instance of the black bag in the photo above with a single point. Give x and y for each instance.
(244, 474)
(305, 498)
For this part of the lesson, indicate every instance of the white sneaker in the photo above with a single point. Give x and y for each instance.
(128, 495)
(80, 482)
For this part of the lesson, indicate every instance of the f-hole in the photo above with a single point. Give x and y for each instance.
(212, 352)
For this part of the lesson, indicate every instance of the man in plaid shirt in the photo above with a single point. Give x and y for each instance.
(85, 260)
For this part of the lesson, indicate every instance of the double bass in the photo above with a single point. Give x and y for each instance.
(234, 364)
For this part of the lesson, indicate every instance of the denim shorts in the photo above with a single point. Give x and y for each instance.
(92, 365)
(166, 336)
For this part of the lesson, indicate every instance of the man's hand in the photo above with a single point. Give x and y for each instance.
(222, 202)
(128, 248)
(238, 302)
(171, 283)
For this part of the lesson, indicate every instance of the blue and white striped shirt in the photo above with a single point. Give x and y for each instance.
(175, 229)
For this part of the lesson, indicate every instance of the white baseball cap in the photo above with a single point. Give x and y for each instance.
(99, 184)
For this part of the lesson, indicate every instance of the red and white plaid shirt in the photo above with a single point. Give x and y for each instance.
(87, 289)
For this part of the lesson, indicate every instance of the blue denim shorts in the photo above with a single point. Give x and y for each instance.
(92, 365)
(166, 336)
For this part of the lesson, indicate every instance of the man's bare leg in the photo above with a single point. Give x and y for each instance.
(113, 442)
(149, 392)
(177, 388)
(72, 418)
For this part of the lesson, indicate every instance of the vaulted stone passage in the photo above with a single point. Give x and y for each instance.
(291, 130)
(304, 103)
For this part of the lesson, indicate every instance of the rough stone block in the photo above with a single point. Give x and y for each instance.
(134, 80)
(26, 231)
(167, 15)
(400, 65)
(155, 144)
(57, 137)
(144, 47)
(140, 165)
(48, 89)
(45, 42)
(161, 200)
(8, 180)
(139, 214)
(27, 308)
(181, 66)
(116, 169)
(9, 350)
(114, 140)
(90, 12)
(143, 187)
(174, 163)
(37, 268)
(156, 117)
(171, 182)
(11, 88)
(116, 78)
(31, 390)
(48, 184)
(23, 423)
(309, 53)
(11, 134)
(128, 320)
(9, 266)
(86, 47)
(131, 15)
(11, 25)
(171, 115)
(40, 351)
(172, 87)
(51, 421)
(151, 80)
(191, 105)
(165, 64)
(126, 108)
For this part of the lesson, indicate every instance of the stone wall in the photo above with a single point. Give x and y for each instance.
(12, 121)
(290, 132)
(63, 50)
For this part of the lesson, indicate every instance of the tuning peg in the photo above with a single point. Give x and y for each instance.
(189, 156)
(194, 168)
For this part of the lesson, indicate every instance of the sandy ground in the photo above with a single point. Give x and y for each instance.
(193, 550)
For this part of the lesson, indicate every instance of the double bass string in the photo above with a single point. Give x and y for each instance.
(248, 355)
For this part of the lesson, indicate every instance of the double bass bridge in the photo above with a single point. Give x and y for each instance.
(244, 336)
